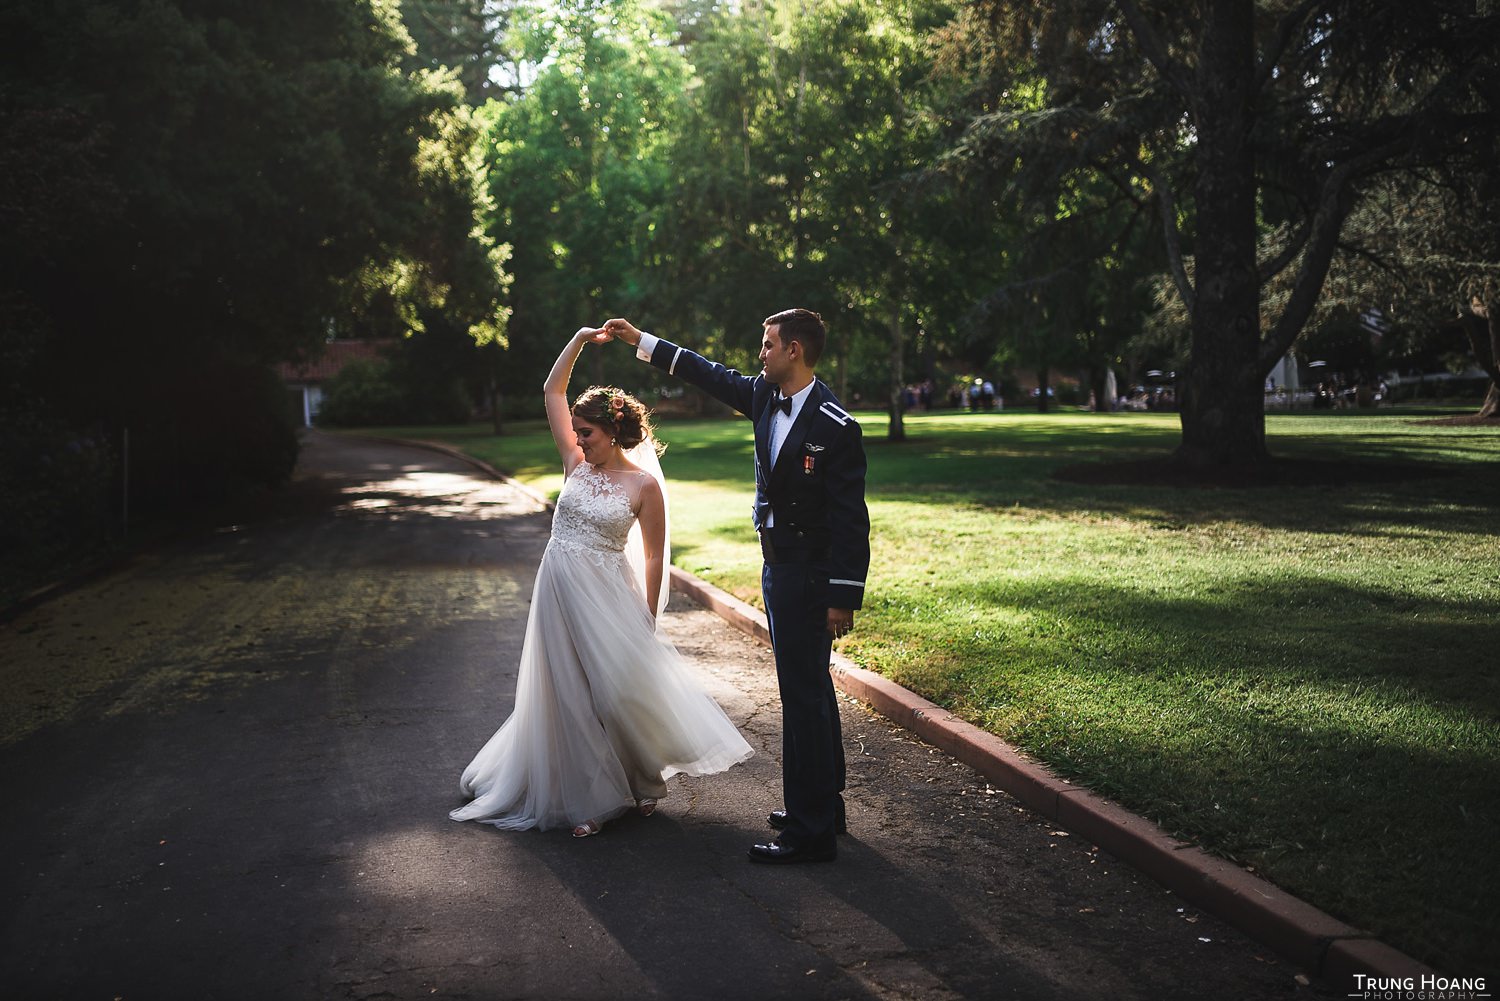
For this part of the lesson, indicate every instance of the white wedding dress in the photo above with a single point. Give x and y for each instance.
(605, 709)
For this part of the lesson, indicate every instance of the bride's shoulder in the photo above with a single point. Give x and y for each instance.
(648, 494)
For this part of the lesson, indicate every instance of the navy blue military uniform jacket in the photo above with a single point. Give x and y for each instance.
(817, 487)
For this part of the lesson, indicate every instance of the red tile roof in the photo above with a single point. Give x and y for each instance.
(331, 360)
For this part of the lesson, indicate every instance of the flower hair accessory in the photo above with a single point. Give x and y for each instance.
(617, 404)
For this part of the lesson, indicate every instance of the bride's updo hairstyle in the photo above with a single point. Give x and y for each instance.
(627, 418)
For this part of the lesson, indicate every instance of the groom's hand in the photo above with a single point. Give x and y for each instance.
(840, 621)
(624, 330)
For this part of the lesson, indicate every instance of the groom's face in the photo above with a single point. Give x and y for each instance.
(775, 355)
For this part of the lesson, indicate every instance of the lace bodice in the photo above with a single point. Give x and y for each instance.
(593, 513)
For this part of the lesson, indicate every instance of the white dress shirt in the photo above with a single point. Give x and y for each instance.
(647, 346)
(781, 424)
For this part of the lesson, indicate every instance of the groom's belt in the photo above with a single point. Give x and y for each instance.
(790, 554)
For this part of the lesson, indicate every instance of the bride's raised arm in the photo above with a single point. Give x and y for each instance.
(555, 394)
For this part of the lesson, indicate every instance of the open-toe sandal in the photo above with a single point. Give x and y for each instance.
(587, 829)
(645, 807)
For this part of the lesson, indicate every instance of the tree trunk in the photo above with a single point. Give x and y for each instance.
(1222, 404)
(495, 398)
(1483, 329)
(897, 386)
(1043, 383)
(1490, 409)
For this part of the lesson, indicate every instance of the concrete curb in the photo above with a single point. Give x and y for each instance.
(1314, 941)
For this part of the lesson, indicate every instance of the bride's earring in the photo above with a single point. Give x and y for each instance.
(614, 443)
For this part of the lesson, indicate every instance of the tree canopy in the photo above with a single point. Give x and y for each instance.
(958, 188)
(197, 190)
(966, 187)
(1236, 117)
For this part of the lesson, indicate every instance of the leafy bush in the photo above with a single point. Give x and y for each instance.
(362, 393)
(375, 391)
(56, 489)
(226, 429)
(56, 482)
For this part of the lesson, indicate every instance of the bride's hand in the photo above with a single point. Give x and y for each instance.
(624, 330)
(594, 335)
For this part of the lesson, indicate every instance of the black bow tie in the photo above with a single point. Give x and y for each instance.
(783, 403)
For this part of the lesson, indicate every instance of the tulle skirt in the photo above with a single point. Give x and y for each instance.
(605, 712)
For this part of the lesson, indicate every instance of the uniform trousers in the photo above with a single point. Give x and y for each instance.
(812, 746)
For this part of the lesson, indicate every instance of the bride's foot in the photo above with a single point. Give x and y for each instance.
(587, 829)
(645, 807)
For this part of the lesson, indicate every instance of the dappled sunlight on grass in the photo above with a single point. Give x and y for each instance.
(1302, 623)
(1275, 716)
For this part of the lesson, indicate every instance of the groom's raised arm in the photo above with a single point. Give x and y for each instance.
(734, 389)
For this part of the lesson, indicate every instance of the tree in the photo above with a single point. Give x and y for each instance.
(795, 169)
(1233, 112)
(576, 162)
(732, 243)
(883, 98)
(1076, 279)
(212, 180)
(1424, 251)
(466, 36)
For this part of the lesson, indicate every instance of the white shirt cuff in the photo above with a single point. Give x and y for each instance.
(647, 347)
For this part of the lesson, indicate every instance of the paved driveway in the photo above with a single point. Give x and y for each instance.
(227, 771)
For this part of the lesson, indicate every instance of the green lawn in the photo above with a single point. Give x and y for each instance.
(1303, 679)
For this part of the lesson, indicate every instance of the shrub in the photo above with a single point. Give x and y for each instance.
(373, 391)
(56, 489)
(361, 394)
(224, 429)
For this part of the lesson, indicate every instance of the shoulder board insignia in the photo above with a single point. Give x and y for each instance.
(836, 413)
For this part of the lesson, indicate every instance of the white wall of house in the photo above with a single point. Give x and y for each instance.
(312, 402)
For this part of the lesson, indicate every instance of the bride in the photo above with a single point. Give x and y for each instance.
(606, 711)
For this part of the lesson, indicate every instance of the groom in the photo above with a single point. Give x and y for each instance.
(815, 538)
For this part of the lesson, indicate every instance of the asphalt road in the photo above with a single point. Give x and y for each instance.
(227, 770)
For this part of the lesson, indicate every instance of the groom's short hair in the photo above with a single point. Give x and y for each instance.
(803, 326)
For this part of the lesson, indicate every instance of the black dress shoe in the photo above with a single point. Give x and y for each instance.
(777, 819)
(777, 853)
